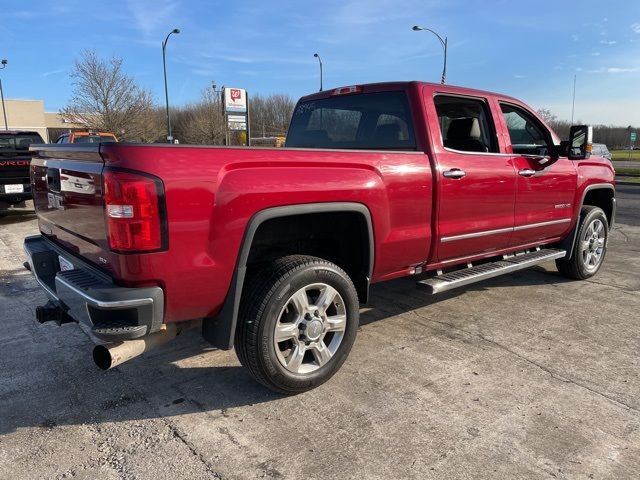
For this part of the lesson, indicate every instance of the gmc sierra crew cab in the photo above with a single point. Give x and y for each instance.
(272, 251)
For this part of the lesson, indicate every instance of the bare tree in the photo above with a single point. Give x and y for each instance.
(107, 99)
(270, 115)
(201, 122)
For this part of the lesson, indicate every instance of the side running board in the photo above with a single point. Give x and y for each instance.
(508, 264)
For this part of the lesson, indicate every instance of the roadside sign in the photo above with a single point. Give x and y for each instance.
(237, 125)
(235, 100)
(633, 136)
(237, 118)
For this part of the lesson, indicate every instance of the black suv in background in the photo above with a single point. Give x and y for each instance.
(15, 158)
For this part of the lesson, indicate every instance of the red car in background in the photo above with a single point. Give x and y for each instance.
(86, 137)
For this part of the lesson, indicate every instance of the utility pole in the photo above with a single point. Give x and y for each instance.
(3, 64)
(444, 43)
(166, 90)
(319, 60)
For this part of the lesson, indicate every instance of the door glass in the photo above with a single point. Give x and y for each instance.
(528, 137)
(465, 124)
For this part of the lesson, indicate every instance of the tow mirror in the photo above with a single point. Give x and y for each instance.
(580, 142)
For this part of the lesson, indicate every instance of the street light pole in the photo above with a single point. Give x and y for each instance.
(443, 42)
(3, 64)
(166, 90)
(319, 60)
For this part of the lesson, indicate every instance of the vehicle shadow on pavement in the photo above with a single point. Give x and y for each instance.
(47, 376)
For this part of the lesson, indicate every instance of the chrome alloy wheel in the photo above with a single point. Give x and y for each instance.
(592, 245)
(310, 328)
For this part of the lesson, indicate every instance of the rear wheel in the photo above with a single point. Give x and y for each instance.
(590, 245)
(297, 323)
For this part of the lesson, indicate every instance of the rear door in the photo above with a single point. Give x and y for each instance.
(544, 200)
(68, 198)
(476, 183)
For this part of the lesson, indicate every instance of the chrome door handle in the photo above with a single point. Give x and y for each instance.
(454, 173)
(527, 172)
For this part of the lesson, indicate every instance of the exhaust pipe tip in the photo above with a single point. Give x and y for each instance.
(102, 357)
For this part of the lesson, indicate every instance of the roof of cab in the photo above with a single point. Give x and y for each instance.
(385, 86)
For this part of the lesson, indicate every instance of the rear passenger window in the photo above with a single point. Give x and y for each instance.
(465, 124)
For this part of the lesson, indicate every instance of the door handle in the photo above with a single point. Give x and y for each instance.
(454, 173)
(527, 172)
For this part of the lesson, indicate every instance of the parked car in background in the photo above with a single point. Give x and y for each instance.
(601, 150)
(15, 158)
(273, 250)
(86, 137)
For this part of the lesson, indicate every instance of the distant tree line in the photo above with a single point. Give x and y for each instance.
(615, 137)
(105, 98)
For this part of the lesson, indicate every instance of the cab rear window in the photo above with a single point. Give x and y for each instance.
(93, 138)
(18, 142)
(369, 121)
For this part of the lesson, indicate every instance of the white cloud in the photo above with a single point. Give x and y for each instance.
(608, 42)
(595, 54)
(575, 38)
(149, 19)
(636, 27)
(54, 72)
(519, 76)
(622, 70)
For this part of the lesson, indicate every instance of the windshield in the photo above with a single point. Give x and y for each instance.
(93, 139)
(18, 142)
(373, 121)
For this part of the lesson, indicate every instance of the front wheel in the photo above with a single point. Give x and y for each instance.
(298, 320)
(590, 245)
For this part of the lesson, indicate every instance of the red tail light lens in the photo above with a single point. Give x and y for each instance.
(134, 210)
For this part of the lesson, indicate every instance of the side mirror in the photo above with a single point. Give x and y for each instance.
(580, 142)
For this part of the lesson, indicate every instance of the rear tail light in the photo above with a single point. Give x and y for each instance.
(134, 211)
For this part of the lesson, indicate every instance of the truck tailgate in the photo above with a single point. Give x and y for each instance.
(68, 199)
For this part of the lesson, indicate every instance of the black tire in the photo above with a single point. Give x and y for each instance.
(576, 267)
(263, 301)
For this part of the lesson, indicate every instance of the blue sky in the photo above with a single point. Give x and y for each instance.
(529, 49)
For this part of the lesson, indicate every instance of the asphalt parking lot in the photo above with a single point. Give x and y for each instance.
(523, 376)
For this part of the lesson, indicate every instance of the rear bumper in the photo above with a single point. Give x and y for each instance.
(88, 296)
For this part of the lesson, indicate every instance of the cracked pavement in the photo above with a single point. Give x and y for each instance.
(527, 375)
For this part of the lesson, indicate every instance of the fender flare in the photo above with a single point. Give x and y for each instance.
(568, 243)
(220, 330)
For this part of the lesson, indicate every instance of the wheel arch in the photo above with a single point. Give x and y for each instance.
(220, 330)
(599, 195)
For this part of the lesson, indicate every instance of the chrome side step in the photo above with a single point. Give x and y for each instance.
(508, 264)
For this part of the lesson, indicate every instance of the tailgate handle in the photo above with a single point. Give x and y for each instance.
(53, 179)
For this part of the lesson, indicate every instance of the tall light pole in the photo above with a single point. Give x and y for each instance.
(443, 42)
(3, 64)
(319, 60)
(166, 90)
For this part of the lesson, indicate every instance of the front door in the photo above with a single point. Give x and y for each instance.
(476, 183)
(545, 196)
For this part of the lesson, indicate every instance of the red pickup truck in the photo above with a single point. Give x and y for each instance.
(273, 250)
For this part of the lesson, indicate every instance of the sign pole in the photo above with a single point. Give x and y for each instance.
(248, 122)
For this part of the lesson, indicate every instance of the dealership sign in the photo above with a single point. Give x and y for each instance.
(235, 100)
